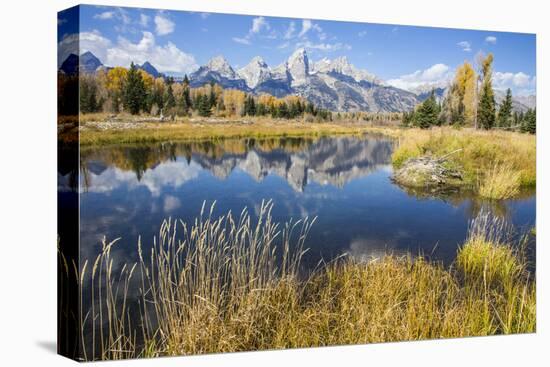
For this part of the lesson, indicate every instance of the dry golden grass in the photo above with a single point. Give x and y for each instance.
(495, 163)
(221, 285)
(93, 132)
(500, 182)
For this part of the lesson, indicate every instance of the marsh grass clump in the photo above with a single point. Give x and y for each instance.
(496, 274)
(230, 283)
(486, 256)
(495, 164)
(500, 182)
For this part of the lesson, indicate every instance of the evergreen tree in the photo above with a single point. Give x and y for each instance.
(486, 107)
(88, 96)
(212, 95)
(505, 110)
(261, 109)
(529, 124)
(204, 108)
(249, 106)
(282, 110)
(182, 105)
(427, 113)
(187, 97)
(310, 108)
(294, 110)
(170, 100)
(134, 91)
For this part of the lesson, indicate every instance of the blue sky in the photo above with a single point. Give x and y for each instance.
(178, 42)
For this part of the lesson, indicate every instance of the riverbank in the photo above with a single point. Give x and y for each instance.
(232, 292)
(99, 129)
(494, 164)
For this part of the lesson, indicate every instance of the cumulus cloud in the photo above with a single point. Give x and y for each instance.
(437, 75)
(308, 25)
(87, 41)
(290, 31)
(105, 15)
(491, 39)
(163, 25)
(520, 83)
(258, 24)
(465, 46)
(144, 20)
(118, 14)
(166, 58)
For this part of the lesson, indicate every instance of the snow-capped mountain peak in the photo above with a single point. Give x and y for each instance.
(298, 67)
(255, 72)
(342, 66)
(220, 65)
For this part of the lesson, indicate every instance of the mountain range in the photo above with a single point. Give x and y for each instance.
(335, 84)
(88, 63)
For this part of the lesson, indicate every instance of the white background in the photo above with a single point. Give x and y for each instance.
(28, 180)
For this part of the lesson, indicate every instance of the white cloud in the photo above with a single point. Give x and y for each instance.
(326, 47)
(163, 25)
(362, 34)
(118, 13)
(165, 175)
(520, 83)
(289, 33)
(283, 45)
(465, 46)
(167, 58)
(438, 75)
(258, 24)
(491, 39)
(87, 41)
(105, 15)
(144, 20)
(308, 25)
(204, 15)
(244, 41)
(171, 203)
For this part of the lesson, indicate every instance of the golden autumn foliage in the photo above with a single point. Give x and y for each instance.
(233, 100)
(115, 78)
(465, 80)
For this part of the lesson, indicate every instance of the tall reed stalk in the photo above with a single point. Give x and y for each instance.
(231, 283)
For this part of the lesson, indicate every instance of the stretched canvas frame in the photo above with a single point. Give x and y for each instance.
(206, 208)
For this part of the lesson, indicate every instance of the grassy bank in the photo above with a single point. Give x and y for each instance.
(496, 164)
(219, 285)
(95, 131)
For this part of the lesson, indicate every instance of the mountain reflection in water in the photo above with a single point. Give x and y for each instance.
(126, 191)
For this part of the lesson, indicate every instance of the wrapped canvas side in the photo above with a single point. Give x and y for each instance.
(68, 300)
